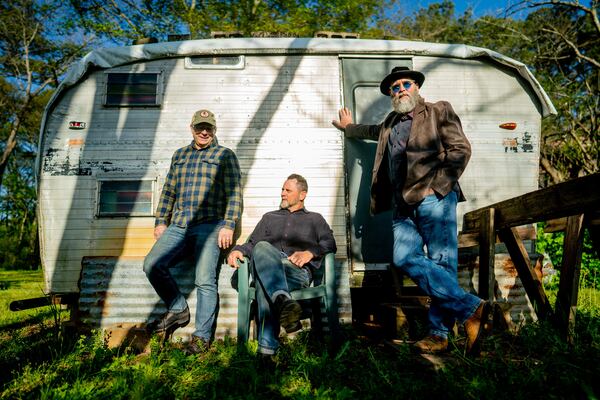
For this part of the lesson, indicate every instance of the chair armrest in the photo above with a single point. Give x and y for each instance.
(329, 265)
(245, 296)
(243, 275)
(330, 277)
(331, 290)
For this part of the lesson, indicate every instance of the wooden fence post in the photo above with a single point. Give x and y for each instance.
(568, 287)
(487, 254)
(532, 285)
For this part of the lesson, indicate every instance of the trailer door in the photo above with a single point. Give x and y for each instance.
(370, 236)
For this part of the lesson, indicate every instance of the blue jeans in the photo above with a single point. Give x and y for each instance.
(202, 238)
(432, 223)
(274, 275)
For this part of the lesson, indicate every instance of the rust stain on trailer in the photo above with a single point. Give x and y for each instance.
(509, 268)
(76, 142)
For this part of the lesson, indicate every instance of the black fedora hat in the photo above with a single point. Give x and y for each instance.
(398, 73)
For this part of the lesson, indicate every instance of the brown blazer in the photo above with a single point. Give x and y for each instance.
(437, 153)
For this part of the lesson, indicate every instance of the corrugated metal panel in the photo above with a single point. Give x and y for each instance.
(116, 293)
(508, 290)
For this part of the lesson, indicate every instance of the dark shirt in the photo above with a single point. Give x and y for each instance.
(397, 155)
(293, 231)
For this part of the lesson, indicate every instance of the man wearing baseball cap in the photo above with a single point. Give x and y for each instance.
(200, 204)
(421, 152)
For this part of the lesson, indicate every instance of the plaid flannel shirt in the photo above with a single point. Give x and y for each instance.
(201, 186)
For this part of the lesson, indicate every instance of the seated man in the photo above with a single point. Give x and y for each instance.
(282, 247)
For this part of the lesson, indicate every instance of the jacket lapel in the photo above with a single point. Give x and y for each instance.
(418, 117)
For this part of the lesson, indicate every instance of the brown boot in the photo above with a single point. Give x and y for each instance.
(474, 327)
(197, 346)
(432, 344)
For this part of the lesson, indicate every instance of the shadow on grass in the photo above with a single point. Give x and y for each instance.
(42, 316)
(532, 364)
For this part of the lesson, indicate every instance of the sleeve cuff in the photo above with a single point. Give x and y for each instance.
(229, 224)
(160, 221)
(316, 252)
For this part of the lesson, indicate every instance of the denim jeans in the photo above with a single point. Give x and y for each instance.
(202, 238)
(274, 275)
(432, 223)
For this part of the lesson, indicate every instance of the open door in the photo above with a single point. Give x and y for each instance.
(370, 236)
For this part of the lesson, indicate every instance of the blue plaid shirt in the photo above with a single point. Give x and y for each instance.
(203, 185)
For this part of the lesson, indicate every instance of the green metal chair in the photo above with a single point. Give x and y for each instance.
(322, 291)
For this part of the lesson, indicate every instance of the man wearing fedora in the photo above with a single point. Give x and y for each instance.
(200, 204)
(421, 152)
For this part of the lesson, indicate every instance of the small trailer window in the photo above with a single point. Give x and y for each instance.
(125, 198)
(132, 89)
(215, 62)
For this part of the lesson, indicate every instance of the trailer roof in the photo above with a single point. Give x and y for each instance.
(116, 56)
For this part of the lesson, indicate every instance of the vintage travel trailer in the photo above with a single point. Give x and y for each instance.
(110, 129)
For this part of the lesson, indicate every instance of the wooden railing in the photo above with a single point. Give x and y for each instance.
(579, 201)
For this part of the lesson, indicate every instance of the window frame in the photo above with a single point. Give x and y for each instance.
(159, 90)
(99, 214)
(188, 64)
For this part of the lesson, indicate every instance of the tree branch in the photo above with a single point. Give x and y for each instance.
(555, 174)
(518, 34)
(573, 46)
(588, 10)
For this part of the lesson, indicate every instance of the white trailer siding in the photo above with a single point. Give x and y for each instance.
(275, 125)
(485, 96)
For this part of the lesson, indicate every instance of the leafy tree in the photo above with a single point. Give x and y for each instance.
(121, 21)
(32, 58)
(129, 19)
(18, 227)
(34, 53)
(567, 34)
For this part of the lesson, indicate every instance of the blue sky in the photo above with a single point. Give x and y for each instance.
(495, 8)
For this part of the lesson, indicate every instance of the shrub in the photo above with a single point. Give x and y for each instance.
(552, 245)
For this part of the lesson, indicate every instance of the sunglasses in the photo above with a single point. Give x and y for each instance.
(406, 85)
(199, 128)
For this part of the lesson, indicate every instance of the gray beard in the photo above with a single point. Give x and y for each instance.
(404, 107)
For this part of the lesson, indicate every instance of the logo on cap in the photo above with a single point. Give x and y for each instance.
(204, 113)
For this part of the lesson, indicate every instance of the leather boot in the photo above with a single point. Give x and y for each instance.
(474, 327)
(432, 344)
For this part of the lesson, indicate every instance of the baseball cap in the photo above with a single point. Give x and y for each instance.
(204, 116)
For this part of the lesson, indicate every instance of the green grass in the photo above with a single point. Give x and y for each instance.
(534, 364)
(38, 360)
(19, 285)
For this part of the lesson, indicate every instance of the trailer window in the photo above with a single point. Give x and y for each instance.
(215, 62)
(125, 198)
(132, 89)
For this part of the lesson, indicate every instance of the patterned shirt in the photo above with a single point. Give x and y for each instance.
(203, 185)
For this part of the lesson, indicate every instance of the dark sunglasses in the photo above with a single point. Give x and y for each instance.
(203, 127)
(406, 85)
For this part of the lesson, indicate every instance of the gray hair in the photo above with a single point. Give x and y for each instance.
(301, 182)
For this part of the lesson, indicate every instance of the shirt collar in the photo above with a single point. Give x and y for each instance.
(303, 209)
(193, 147)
